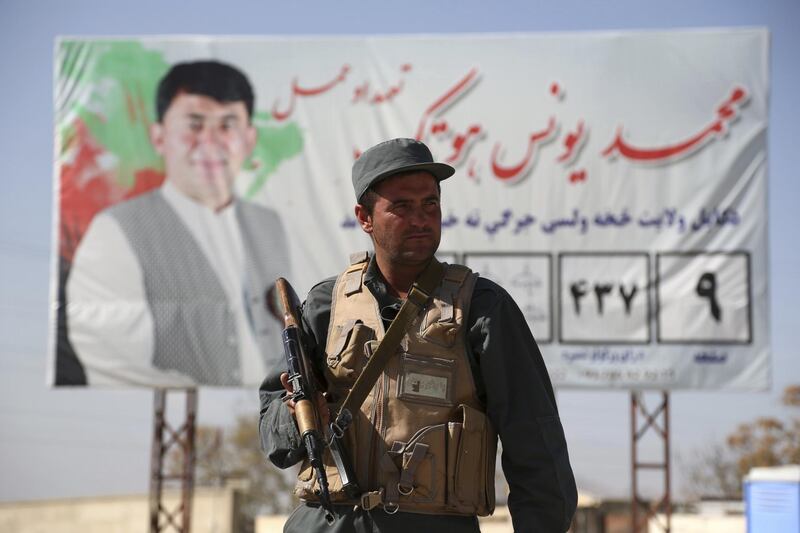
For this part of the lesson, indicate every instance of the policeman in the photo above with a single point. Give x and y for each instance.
(467, 369)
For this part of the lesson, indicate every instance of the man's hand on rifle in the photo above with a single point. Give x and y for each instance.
(322, 403)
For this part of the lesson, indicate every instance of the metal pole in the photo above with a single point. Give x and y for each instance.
(667, 464)
(634, 488)
(184, 440)
(156, 459)
(189, 459)
(651, 423)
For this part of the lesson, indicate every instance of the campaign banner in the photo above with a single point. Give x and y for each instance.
(614, 183)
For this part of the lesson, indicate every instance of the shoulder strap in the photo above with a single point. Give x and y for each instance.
(417, 300)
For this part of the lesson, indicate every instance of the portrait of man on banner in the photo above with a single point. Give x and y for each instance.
(168, 283)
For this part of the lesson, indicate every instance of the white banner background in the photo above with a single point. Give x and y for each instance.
(599, 177)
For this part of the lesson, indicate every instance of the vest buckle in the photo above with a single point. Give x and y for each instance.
(405, 491)
(370, 500)
(342, 422)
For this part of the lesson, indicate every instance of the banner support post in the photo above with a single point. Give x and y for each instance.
(164, 439)
(655, 422)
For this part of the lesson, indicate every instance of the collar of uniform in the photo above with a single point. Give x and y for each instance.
(373, 280)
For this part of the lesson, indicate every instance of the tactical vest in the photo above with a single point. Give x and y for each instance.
(421, 441)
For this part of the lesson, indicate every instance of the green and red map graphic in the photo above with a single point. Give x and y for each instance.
(104, 109)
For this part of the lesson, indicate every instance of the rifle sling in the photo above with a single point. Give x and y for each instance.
(417, 300)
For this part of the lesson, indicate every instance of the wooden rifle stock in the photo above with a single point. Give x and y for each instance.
(307, 384)
(304, 390)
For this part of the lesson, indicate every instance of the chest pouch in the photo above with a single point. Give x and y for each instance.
(441, 322)
(349, 353)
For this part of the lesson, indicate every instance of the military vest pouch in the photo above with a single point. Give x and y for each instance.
(349, 356)
(472, 450)
(448, 466)
(307, 485)
(439, 325)
(423, 472)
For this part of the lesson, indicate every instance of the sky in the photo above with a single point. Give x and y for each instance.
(73, 443)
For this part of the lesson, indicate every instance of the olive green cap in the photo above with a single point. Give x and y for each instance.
(393, 157)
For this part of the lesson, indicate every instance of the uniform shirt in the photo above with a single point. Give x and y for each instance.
(512, 382)
(107, 308)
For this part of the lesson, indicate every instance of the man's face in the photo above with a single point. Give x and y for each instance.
(406, 221)
(204, 144)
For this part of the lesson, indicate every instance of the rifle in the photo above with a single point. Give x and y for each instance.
(306, 388)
